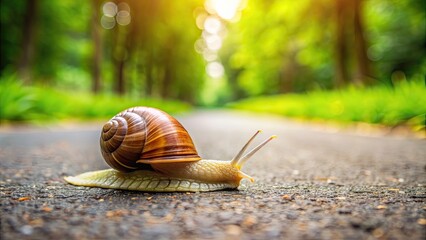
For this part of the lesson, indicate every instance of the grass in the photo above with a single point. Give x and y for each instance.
(19, 103)
(403, 104)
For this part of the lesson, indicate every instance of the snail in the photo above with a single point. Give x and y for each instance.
(151, 151)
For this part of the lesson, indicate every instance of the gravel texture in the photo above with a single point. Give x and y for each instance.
(311, 183)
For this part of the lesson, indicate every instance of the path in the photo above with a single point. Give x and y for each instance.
(310, 184)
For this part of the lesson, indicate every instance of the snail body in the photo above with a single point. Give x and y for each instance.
(151, 151)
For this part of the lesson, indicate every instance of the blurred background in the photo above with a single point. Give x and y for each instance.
(340, 60)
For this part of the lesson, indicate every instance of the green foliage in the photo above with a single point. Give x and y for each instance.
(396, 34)
(35, 103)
(290, 46)
(382, 104)
(156, 45)
(16, 102)
(281, 46)
(274, 47)
(63, 38)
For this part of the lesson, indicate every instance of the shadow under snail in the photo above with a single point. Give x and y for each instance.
(151, 151)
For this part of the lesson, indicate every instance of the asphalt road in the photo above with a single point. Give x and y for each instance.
(310, 184)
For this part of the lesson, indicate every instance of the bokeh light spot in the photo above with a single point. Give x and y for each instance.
(123, 17)
(209, 56)
(109, 9)
(214, 42)
(201, 18)
(107, 22)
(215, 69)
(212, 25)
(200, 45)
(124, 7)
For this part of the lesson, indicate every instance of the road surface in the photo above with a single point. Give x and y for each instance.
(310, 184)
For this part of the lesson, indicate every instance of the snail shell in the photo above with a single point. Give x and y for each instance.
(140, 136)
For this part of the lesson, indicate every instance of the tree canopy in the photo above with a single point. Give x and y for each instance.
(213, 51)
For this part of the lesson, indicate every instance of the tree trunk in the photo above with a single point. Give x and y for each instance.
(97, 48)
(120, 88)
(168, 76)
(28, 41)
(169, 65)
(288, 73)
(363, 72)
(341, 52)
(149, 84)
(237, 92)
(120, 56)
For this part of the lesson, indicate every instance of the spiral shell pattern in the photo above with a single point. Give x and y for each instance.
(143, 135)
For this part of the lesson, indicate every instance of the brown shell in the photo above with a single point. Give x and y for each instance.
(143, 135)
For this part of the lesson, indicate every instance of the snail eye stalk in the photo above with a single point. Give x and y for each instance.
(239, 161)
(246, 157)
(235, 160)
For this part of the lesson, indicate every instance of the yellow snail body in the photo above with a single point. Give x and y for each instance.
(151, 151)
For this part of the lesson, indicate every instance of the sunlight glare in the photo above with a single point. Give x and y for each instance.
(226, 9)
(213, 20)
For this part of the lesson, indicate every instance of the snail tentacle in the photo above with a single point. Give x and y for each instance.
(234, 161)
(239, 161)
(246, 157)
